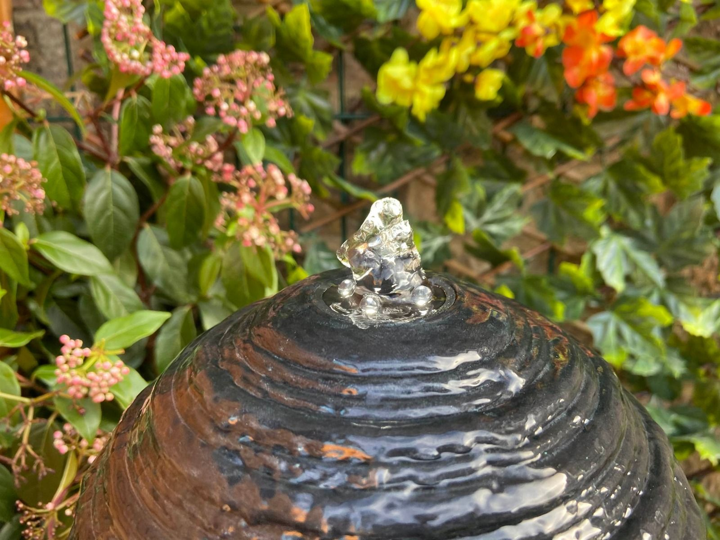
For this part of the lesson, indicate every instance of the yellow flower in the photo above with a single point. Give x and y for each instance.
(492, 16)
(539, 28)
(488, 84)
(492, 48)
(396, 80)
(578, 6)
(433, 72)
(439, 17)
(617, 15)
(460, 50)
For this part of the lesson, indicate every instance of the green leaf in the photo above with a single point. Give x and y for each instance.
(14, 340)
(683, 177)
(452, 185)
(278, 157)
(205, 29)
(294, 42)
(258, 34)
(185, 211)
(8, 497)
(7, 145)
(12, 530)
(708, 446)
(617, 256)
(536, 293)
(127, 390)
(345, 14)
(241, 287)
(701, 135)
(631, 330)
(706, 54)
(8, 385)
(174, 336)
(57, 95)
(499, 218)
(569, 210)
(485, 249)
(66, 10)
(83, 415)
(260, 264)
(209, 272)
(251, 147)
(318, 257)
(166, 268)
(135, 125)
(170, 99)
(542, 144)
(145, 170)
(59, 161)
(113, 297)
(701, 319)
(391, 10)
(13, 257)
(333, 180)
(71, 254)
(122, 332)
(111, 211)
(626, 185)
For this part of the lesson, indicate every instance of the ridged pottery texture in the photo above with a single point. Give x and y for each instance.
(482, 420)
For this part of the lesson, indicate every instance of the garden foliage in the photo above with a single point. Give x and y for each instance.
(167, 199)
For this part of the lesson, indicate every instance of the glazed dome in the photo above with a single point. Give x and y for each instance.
(466, 417)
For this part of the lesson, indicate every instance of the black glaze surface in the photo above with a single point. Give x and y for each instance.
(482, 421)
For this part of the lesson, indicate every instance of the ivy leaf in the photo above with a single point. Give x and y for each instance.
(123, 332)
(433, 243)
(174, 336)
(625, 185)
(166, 268)
(679, 238)
(294, 42)
(318, 257)
(536, 293)
(13, 257)
(311, 105)
(708, 446)
(569, 210)
(135, 125)
(185, 211)
(454, 183)
(701, 319)
(683, 176)
(258, 34)
(206, 28)
(113, 297)
(71, 254)
(706, 54)
(86, 422)
(701, 135)
(59, 161)
(485, 249)
(542, 144)
(112, 211)
(617, 256)
(66, 10)
(499, 217)
(631, 329)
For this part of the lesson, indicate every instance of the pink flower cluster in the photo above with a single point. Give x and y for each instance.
(182, 153)
(20, 181)
(258, 192)
(12, 56)
(126, 39)
(69, 439)
(240, 90)
(94, 378)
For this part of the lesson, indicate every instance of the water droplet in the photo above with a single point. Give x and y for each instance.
(346, 288)
(421, 296)
(370, 304)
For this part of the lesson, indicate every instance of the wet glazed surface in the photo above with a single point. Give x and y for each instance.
(480, 421)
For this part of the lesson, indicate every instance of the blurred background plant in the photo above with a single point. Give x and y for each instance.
(563, 154)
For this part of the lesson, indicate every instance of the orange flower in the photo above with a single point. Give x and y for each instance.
(655, 93)
(538, 28)
(643, 46)
(687, 104)
(585, 55)
(598, 93)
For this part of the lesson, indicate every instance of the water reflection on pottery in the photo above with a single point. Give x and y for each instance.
(481, 420)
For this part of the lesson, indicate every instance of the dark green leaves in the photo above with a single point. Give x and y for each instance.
(71, 254)
(683, 176)
(569, 210)
(59, 161)
(171, 99)
(185, 211)
(542, 144)
(111, 212)
(135, 125)
(165, 267)
(174, 336)
(13, 257)
(113, 297)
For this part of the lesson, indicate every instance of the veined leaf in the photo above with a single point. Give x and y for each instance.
(71, 254)
(122, 332)
(13, 257)
(56, 93)
(59, 161)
